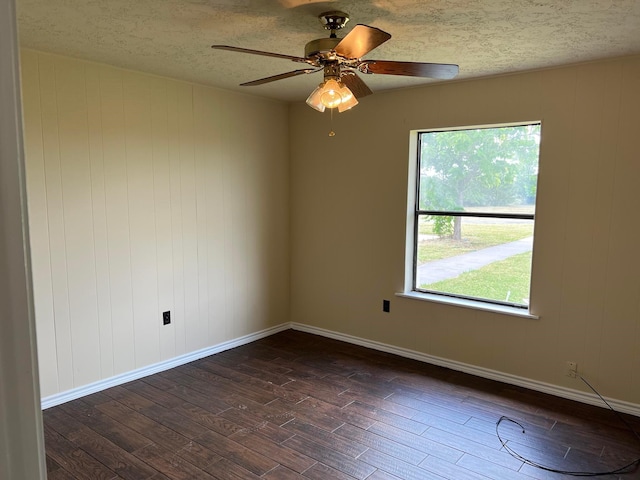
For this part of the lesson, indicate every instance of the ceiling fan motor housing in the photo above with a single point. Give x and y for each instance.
(323, 47)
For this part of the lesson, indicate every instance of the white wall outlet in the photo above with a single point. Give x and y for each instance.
(571, 369)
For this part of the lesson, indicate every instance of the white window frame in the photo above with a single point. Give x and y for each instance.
(410, 239)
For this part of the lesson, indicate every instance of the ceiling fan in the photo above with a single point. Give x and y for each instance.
(341, 60)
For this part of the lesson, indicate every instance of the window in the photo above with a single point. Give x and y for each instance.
(473, 218)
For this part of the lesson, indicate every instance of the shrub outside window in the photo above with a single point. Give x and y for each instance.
(474, 212)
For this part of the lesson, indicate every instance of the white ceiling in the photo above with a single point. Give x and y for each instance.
(173, 37)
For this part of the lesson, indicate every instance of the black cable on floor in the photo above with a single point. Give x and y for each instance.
(625, 469)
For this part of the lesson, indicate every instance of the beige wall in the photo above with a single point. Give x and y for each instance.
(348, 219)
(147, 194)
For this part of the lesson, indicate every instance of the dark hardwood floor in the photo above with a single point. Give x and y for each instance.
(300, 406)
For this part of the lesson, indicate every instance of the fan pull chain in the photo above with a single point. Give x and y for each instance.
(331, 132)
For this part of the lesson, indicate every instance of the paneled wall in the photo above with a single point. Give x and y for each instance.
(349, 209)
(145, 195)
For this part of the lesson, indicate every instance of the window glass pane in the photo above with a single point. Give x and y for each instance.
(487, 258)
(491, 170)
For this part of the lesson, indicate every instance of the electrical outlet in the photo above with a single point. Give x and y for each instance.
(386, 305)
(166, 318)
(571, 370)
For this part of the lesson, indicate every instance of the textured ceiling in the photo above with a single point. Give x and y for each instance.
(173, 37)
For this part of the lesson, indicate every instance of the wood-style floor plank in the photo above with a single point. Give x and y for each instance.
(74, 460)
(296, 406)
(102, 449)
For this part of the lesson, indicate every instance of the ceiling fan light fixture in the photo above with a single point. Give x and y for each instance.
(332, 94)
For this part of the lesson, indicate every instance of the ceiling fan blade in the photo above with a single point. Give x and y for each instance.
(355, 84)
(360, 41)
(279, 77)
(444, 71)
(259, 52)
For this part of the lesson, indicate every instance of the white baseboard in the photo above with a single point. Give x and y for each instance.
(563, 392)
(568, 393)
(63, 397)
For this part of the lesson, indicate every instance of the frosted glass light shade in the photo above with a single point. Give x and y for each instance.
(349, 100)
(314, 99)
(331, 96)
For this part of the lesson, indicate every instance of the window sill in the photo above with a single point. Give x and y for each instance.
(474, 304)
